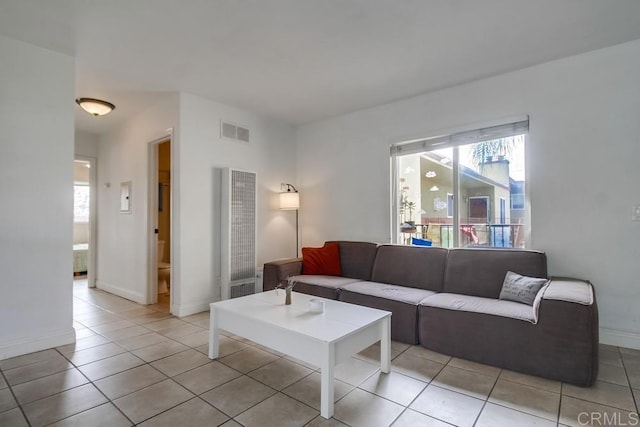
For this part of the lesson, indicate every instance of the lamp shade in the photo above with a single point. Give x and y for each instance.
(289, 201)
(95, 107)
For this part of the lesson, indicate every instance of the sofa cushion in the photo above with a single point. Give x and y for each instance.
(392, 292)
(491, 306)
(562, 346)
(521, 289)
(321, 286)
(480, 272)
(570, 290)
(401, 301)
(334, 282)
(324, 260)
(413, 266)
(356, 259)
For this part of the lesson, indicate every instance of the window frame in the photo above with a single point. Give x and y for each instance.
(455, 140)
(450, 203)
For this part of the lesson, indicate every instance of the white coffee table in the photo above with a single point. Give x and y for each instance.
(323, 340)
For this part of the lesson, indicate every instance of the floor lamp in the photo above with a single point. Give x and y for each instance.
(290, 201)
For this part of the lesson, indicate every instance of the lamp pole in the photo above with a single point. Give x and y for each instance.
(290, 200)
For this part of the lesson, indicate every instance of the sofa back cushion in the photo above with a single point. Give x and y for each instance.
(481, 272)
(414, 266)
(356, 259)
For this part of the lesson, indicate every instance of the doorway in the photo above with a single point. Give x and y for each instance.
(84, 178)
(164, 223)
(478, 209)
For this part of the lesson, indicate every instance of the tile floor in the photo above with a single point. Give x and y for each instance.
(137, 365)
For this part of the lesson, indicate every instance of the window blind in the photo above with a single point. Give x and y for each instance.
(461, 138)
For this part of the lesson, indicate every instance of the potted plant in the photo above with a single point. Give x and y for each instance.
(408, 225)
(287, 285)
(411, 206)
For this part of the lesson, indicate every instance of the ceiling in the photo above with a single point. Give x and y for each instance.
(304, 60)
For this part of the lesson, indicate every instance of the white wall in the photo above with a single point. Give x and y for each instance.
(271, 154)
(582, 162)
(36, 118)
(197, 151)
(122, 238)
(86, 144)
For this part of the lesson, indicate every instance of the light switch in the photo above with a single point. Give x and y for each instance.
(635, 215)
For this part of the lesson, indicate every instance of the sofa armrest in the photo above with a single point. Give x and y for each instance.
(568, 321)
(276, 271)
(569, 290)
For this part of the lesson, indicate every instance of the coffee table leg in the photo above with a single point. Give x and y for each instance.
(214, 339)
(326, 384)
(385, 345)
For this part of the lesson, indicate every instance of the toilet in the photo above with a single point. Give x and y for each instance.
(164, 270)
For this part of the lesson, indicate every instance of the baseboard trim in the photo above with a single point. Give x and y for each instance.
(620, 338)
(189, 309)
(43, 342)
(121, 292)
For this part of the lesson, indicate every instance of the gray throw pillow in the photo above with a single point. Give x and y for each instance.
(521, 288)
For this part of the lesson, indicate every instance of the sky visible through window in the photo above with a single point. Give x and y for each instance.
(81, 199)
(515, 157)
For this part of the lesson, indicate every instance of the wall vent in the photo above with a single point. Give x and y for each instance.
(242, 289)
(233, 131)
(238, 230)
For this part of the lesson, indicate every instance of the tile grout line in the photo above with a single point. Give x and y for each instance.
(172, 379)
(560, 403)
(626, 373)
(20, 405)
(306, 376)
(110, 401)
(600, 403)
(195, 396)
(267, 385)
(425, 387)
(10, 388)
(532, 386)
(428, 383)
(89, 381)
(93, 407)
(486, 400)
(381, 397)
(280, 357)
(77, 367)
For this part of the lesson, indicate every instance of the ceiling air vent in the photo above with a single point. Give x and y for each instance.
(233, 131)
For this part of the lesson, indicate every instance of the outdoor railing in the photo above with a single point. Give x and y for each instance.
(472, 234)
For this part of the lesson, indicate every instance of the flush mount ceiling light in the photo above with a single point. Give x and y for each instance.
(434, 188)
(430, 174)
(95, 107)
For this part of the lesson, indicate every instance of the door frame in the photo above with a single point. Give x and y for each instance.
(93, 195)
(152, 218)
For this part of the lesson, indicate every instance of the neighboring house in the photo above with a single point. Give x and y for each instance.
(485, 214)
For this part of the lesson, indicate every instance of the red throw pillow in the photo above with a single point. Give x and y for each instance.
(323, 261)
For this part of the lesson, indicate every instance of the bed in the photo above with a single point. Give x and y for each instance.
(80, 251)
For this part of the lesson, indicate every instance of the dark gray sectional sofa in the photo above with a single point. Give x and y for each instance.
(447, 300)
